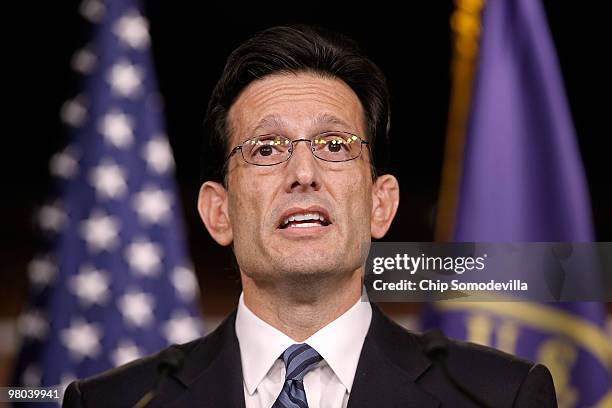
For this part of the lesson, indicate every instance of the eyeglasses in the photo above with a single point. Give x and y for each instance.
(272, 149)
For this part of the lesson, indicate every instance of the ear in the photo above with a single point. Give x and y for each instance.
(212, 206)
(385, 199)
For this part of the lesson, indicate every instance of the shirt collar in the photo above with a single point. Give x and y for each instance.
(339, 343)
(260, 345)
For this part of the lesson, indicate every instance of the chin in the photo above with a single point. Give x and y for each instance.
(317, 266)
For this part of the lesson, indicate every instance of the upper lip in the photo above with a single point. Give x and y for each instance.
(300, 210)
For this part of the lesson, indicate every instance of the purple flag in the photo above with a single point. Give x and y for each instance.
(523, 180)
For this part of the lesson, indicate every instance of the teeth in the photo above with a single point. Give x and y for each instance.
(303, 217)
(305, 225)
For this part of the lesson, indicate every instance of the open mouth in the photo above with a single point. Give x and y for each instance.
(305, 220)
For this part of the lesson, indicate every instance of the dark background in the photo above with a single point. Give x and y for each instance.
(191, 40)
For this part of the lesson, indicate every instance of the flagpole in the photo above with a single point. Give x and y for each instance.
(466, 27)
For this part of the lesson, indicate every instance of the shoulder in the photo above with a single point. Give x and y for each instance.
(502, 376)
(121, 386)
(125, 385)
(460, 355)
(466, 356)
(495, 375)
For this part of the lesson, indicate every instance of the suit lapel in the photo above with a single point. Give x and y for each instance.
(213, 371)
(391, 361)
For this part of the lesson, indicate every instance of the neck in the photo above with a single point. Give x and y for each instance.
(299, 312)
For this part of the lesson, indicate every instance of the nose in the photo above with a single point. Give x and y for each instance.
(303, 171)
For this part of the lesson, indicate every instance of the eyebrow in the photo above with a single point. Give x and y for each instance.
(276, 122)
(328, 119)
(269, 122)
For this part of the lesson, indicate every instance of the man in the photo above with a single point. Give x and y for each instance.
(296, 117)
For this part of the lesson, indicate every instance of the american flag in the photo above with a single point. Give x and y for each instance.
(113, 281)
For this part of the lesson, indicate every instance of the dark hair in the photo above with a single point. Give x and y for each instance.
(294, 49)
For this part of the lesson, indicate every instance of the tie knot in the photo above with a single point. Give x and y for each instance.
(299, 360)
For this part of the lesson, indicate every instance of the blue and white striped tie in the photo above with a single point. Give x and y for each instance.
(299, 360)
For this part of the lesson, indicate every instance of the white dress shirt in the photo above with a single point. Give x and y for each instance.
(328, 385)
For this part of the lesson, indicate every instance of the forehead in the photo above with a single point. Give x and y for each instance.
(295, 104)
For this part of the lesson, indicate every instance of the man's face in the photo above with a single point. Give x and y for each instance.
(261, 199)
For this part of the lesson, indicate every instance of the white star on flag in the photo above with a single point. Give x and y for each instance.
(184, 281)
(116, 127)
(144, 257)
(100, 231)
(93, 10)
(73, 112)
(84, 60)
(181, 328)
(109, 180)
(132, 29)
(65, 163)
(51, 217)
(90, 286)
(152, 205)
(158, 155)
(125, 79)
(33, 324)
(125, 352)
(41, 271)
(137, 308)
(82, 339)
(32, 375)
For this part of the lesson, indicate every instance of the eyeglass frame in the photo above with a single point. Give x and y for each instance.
(310, 141)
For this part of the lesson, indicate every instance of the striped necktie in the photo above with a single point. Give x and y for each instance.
(299, 360)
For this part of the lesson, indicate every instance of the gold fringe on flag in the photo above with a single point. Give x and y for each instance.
(466, 27)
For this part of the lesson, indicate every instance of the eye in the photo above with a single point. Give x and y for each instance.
(266, 146)
(265, 150)
(331, 143)
(335, 145)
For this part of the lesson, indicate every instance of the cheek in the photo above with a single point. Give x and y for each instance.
(359, 202)
(246, 206)
(241, 207)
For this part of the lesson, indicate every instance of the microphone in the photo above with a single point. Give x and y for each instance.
(435, 345)
(171, 362)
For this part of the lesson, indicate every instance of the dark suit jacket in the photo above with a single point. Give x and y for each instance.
(393, 371)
